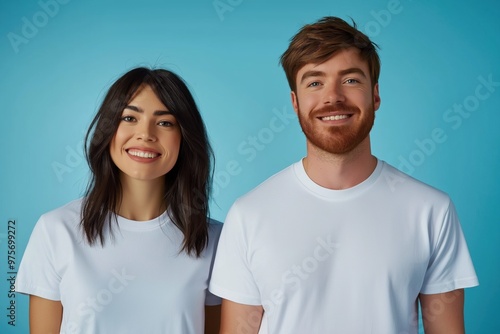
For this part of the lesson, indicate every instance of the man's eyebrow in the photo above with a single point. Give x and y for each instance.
(309, 74)
(155, 113)
(352, 70)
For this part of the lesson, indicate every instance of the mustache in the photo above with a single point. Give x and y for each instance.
(342, 107)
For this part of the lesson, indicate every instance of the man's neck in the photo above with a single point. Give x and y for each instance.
(340, 171)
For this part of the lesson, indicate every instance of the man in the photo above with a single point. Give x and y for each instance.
(340, 242)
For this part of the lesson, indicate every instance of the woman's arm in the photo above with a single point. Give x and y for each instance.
(212, 319)
(45, 315)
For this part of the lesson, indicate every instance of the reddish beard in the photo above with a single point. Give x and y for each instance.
(338, 139)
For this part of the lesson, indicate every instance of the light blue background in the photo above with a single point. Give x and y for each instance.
(432, 56)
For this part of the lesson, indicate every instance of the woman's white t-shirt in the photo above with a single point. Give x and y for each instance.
(138, 282)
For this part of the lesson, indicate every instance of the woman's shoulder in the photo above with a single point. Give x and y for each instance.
(214, 230)
(68, 214)
(214, 226)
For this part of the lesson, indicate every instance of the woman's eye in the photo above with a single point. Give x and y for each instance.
(165, 123)
(128, 119)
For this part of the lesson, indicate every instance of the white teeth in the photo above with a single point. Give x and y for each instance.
(334, 117)
(142, 154)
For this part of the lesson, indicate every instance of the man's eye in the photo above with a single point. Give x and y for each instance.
(313, 84)
(351, 81)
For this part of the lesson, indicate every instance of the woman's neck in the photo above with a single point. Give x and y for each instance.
(141, 200)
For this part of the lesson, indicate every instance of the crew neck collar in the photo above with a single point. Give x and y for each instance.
(343, 194)
(147, 225)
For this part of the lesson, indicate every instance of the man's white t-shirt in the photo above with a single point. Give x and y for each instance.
(139, 282)
(340, 261)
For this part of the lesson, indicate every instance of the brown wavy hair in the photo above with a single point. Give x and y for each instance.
(316, 43)
(188, 184)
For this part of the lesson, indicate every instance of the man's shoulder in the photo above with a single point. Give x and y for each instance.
(402, 183)
(273, 185)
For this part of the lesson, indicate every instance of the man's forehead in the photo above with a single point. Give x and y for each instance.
(347, 58)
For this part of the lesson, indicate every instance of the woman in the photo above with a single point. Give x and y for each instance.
(135, 254)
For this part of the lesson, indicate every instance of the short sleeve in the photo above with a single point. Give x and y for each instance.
(450, 266)
(215, 230)
(232, 278)
(211, 299)
(37, 274)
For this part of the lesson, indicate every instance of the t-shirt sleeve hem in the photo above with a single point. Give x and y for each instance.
(234, 296)
(212, 300)
(450, 286)
(37, 291)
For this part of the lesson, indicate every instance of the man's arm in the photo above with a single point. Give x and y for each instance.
(443, 313)
(240, 318)
(45, 315)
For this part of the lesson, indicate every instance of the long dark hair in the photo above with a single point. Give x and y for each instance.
(187, 185)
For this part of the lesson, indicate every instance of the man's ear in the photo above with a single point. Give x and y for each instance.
(376, 97)
(295, 102)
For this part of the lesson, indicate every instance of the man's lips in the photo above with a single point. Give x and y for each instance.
(335, 113)
(334, 117)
